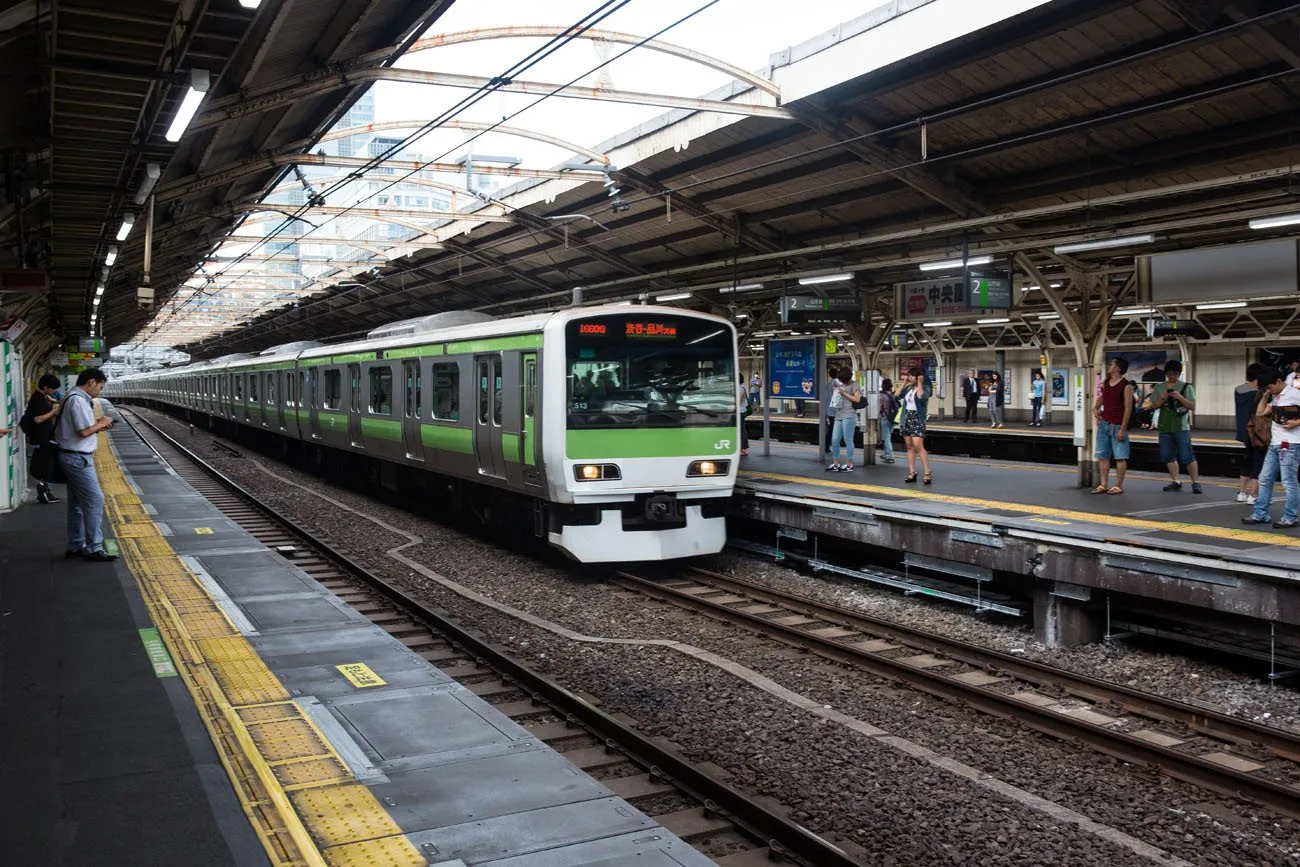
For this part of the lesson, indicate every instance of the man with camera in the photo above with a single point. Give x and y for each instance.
(1280, 399)
(1175, 400)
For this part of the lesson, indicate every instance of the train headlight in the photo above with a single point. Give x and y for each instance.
(707, 468)
(596, 472)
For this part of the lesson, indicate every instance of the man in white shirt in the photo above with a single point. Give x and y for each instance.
(1282, 401)
(77, 434)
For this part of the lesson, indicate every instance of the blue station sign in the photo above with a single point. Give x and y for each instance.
(792, 368)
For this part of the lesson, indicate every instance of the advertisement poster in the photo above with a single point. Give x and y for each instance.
(985, 377)
(792, 369)
(925, 362)
(1144, 365)
(1060, 379)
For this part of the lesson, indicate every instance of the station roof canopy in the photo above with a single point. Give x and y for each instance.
(1070, 121)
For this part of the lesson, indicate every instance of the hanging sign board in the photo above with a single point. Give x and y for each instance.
(16, 328)
(811, 309)
(953, 296)
(90, 344)
(989, 293)
(792, 368)
(58, 359)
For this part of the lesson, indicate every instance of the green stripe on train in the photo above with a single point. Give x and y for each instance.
(447, 439)
(381, 429)
(414, 351)
(496, 344)
(650, 442)
(510, 447)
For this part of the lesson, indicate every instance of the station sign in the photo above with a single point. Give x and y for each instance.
(953, 296)
(58, 359)
(90, 344)
(1163, 327)
(792, 368)
(809, 309)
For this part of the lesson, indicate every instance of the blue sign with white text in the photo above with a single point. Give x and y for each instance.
(792, 369)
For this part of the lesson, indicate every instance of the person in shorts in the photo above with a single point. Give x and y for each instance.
(1281, 400)
(1175, 400)
(1113, 410)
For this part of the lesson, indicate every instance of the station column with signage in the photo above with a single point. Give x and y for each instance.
(796, 370)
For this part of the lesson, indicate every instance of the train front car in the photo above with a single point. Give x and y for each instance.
(649, 445)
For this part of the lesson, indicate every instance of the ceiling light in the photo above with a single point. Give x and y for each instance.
(1030, 288)
(994, 321)
(199, 84)
(949, 264)
(1275, 222)
(825, 278)
(1134, 311)
(1221, 305)
(742, 316)
(1049, 316)
(128, 220)
(111, 256)
(935, 324)
(1056, 285)
(1104, 244)
(250, 4)
(744, 287)
(99, 291)
(152, 171)
(675, 296)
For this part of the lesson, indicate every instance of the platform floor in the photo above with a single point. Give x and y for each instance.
(1037, 496)
(243, 741)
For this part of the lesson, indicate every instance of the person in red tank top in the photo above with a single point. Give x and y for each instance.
(1113, 410)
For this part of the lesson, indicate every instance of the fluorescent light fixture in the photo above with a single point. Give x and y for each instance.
(1134, 311)
(825, 278)
(111, 256)
(128, 220)
(250, 4)
(152, 171)
(1043, 316)
(743, 287)
(742, 315)
(1056, 285)
(675, 296)
(1221, 305)
(1275, 222)
(997, 320)
(199, 84)
(1104, 244)
(766, 333)
(1030, 288)
(934, 324)
(99, 291)
(950, 264)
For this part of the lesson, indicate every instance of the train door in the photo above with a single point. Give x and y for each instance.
(354, 406)
(285, 393)
(487, 423)
(412, 409)
(311, 400)
(528, 425)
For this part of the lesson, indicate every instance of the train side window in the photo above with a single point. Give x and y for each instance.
(496, 391)
(239, 386)
(381, 390)
(530, 387)
(446, 391)
(354, 374)
(333, 389)
(414, 388)
(270, 388)
(252, 386)
(484, 395)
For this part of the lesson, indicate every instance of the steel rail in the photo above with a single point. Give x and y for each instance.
(780, 833)
(1182, 766)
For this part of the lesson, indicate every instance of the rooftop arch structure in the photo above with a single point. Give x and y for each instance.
(503, 129)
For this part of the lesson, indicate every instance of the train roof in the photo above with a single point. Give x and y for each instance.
(493, 328)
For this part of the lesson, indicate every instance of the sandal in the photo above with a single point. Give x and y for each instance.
(1101, 489)
(928, 479)
(911, 478)
(1116, 490)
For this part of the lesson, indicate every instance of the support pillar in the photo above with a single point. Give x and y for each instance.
(1062, 618)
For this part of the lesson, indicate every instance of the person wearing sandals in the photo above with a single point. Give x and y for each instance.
(1113, 409)
(1281, 400)
(916, 401)
(845, 400)
(997, 400)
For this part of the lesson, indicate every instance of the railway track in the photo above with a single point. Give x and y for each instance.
(1225, 754)
(718, 820)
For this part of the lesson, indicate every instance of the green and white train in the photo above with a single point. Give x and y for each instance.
(614, 428)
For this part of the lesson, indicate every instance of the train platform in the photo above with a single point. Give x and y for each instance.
(984, 519)
(204, 687)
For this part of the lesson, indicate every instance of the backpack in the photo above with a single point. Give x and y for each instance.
(27, 424)
(894, 404)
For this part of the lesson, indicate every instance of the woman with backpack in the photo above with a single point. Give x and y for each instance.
(887, 406)
(38, 424)
(916, 401)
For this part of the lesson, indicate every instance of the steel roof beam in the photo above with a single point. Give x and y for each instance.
(515, 131)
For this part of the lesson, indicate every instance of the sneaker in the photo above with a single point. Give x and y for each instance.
(76, 553)
(100, 557)
(1173, 486)
(1196, 488)
(1251, 499)
(847, 468)
(833, 468)
(1241, 496)
(1285, 525)
(1253, 520)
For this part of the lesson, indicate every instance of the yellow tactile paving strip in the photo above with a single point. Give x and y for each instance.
(1042, 512)
(300, 797)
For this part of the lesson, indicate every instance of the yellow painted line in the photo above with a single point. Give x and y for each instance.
(301, 799)
(360, 675)
(1036, 512)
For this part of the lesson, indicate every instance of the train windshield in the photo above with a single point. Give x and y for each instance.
(650, 371)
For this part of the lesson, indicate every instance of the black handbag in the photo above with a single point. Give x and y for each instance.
(45, 464)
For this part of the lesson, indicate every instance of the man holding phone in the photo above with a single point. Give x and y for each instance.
(77, 434)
